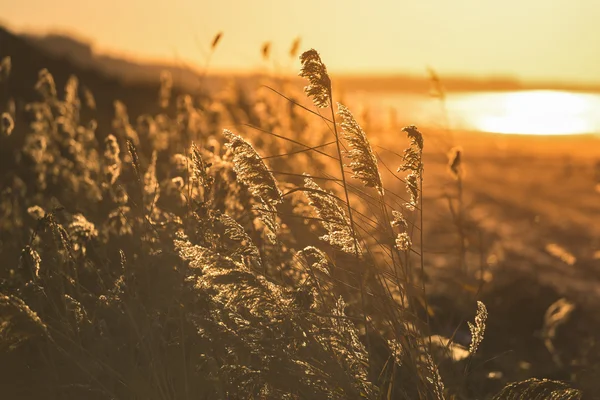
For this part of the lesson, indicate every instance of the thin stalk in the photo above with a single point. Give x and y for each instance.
(459, 223)
(423, 254)
(341, 163)
(345, 185)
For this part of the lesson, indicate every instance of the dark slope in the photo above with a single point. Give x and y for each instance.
(28, 60)
(81, 53)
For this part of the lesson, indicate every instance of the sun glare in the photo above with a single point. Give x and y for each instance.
(539, 112)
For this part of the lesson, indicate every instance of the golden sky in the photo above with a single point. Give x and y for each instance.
(530, 39)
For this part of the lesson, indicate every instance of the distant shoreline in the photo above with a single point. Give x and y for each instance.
(130, 70)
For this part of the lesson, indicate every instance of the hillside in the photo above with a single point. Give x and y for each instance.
(27, 60)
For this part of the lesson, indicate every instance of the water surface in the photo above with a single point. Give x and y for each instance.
(531, 112)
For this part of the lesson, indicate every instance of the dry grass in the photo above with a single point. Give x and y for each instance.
(162, 262)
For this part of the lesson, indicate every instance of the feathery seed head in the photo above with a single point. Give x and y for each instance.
(90, 100)
(364, 162)
(5, 67)
(434, 378)
(118, 221)
(415, 136)
(315, 258)
(166, 85)
(478, 329)
(315, 71)
(7, 124)
(403, 241)
(179, 164)
(413, 162)
(437, 89)
(80, 227)
(266, 50)
(252, 172)
(178, 182)
(295, 47)
(455, 162)
(412, 185)
(71, 88)
(35, 147)
(36, 212)
(112, 151)
(399, 221)
(396, 350)
(135, 161)
(151, 190)
(200, 169)
(332, 215)
(216, 40)
(31, 260)
(81, 231)
(19, 322)
(244, 247)
(45, 84)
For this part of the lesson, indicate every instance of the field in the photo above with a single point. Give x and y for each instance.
(158, 244)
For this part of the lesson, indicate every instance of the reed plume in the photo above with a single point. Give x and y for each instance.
(295, 47)
(200, 171)
(5, 68)
(81, 231)
(413, 163)
(90, 100)
(556, 315)
(31, 261)
(332, 217)
(166, 87)
(7, 124)
(135, 161)
(266, 50)
(364, 162)
(36, 212)
(112, 159)
(238, 242)
(252, 172)
(478, 328)
(18, 322)
(403, 241)
(434, 378)
(45, 85)
(538, 389)
(315, 71)
(455, 162)
(315, 258)
(216, 40)
(121, 124)
(151, 187)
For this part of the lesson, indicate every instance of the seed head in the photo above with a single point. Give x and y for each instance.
(7, 124)
(478, 329)
(315, 71)
(364, 163)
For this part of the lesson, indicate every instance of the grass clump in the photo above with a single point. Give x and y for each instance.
(158, 261)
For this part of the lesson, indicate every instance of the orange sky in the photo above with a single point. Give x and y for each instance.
(530, 39)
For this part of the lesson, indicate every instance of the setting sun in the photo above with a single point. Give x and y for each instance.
(541, 112)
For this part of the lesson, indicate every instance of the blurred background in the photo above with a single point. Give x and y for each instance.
(512, 86)
(380, 52)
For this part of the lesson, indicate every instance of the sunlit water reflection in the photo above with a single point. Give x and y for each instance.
(532, 112)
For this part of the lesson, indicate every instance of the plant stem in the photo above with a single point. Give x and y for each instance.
(341, 163)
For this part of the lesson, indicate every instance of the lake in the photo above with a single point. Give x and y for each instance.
(530, 112)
